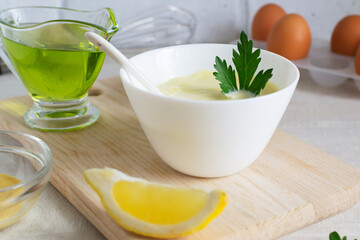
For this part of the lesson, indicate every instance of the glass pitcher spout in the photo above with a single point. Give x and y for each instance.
(29, 18)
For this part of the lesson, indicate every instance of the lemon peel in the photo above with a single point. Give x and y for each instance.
(154, 209)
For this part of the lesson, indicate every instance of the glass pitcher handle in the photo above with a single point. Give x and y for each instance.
(4, 57)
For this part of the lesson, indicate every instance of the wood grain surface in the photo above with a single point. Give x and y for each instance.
(291, 185)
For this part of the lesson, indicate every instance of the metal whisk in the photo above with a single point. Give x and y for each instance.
(164, 26)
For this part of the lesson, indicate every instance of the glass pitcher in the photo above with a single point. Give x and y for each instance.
(46, 48)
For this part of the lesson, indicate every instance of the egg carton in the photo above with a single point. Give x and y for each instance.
(325, 67)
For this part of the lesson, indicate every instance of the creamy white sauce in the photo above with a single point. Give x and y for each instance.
(202, 85)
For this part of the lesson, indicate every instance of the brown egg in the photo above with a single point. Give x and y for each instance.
(357, 60)
(346, 36)
(290, 37)
(264, 20)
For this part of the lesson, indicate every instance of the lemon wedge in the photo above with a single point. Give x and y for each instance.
(153, 209)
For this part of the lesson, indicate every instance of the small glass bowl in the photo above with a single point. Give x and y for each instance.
(28, 159)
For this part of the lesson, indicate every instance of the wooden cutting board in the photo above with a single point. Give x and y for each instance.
(290, 186)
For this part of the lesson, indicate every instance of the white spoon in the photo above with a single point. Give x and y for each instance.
(124, 62)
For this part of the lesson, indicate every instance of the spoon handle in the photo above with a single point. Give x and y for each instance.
(120, 58)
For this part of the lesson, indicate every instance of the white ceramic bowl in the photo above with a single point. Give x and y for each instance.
(207, 138)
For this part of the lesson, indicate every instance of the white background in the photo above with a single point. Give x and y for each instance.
(218, 20)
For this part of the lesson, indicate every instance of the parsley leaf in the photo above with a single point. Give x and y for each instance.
(334, 236)
(246, 63)
(226, 76)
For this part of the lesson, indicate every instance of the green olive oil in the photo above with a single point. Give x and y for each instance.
(54, 72)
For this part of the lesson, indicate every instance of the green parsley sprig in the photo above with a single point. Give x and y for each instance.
(335, 236)
(246, 63)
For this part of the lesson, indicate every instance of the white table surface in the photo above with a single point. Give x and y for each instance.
(328, 118)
